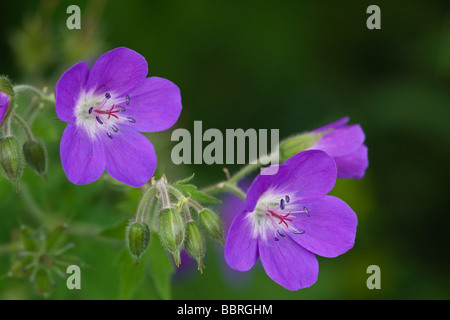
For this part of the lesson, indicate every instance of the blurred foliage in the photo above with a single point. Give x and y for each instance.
(291, 65)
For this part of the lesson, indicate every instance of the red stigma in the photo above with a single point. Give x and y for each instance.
(109, 112)
(282, 218)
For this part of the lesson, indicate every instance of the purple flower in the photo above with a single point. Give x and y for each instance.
(289, 218)
(4, 103)
(105, 108)
(345, 143)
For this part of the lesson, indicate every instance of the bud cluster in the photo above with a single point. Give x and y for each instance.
(180, 220)
(14, 155)
(43, 257)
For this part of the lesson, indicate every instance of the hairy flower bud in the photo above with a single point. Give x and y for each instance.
(138, 236)
(35, 155)
(11, 159)
(195, 243)
(212, 223)
(297, 144)
(172, 232)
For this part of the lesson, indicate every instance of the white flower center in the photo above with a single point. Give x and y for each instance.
(101, 114)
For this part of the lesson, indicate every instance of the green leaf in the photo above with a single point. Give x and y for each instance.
(189, 190)
(131, 275)
(116, 232)
(184, 181)
(154, 271)
(160, 267)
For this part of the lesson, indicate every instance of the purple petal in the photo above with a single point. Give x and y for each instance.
(155, 105)
(307, 176)
(288, 264)
(334, 125)
(4, 103)
(130, 157)
(330, 228)
(353, 166)
(82, 157)
(241, 248)
(342, 141)
(68, 90)
(118, 71)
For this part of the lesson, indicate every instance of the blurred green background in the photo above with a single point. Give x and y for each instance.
(288, 65)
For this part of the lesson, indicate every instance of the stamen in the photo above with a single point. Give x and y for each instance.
(288, 199)
(107, 95)
(98, 120)
(109, 135)
(127, 97)
(114, 128)
(90, 110)
(120, 108)
(282, 204)
(281, 233)
(276, 239)
(299, 232)
(306, 211)
(131, 120)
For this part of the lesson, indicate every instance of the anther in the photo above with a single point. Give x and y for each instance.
(276, 239)
(120, 108)
(127, 97)
(90, 110)
(287, 199)
(306, 211)
(114, 128)
(107, 95)
(98, 120)
(109, 135)
(281, 233)
(131, 120)
(282, 204)
(299, 232)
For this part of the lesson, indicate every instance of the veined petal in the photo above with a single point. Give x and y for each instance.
(155, 105)
(241, 248)
(353, 166)
(82, 156)
(288, 264)
(68, 90)
(130, 157)
(341, 141)
(307, 176)
(119, 71)
(330, 228)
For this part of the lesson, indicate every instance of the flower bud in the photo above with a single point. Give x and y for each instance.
(172, 232)
(195, 244)
(138, 236)
(212, 224)
(297, 144)
(6, 97)
(35, 155)
(11, 159)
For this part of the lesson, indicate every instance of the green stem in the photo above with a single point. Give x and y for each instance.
(243, 172)
(26, 128)
(21, 88)
(144, 203)
(234, 189)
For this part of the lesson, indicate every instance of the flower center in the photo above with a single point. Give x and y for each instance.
(273, 219)
(105, 115)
